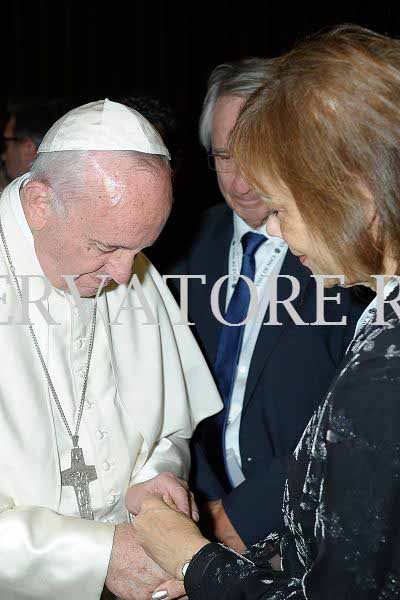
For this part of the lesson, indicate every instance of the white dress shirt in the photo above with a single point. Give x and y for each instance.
(252, 329)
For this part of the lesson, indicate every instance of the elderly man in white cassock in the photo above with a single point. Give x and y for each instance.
(100, 389)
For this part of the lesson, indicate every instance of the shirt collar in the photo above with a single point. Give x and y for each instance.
(240, 227)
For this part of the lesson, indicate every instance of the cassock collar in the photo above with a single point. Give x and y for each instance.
(16, 205)
(19, 241)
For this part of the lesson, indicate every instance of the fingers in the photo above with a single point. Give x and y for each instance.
(175, 493)
(184, 483)
(195, 514)
(183, 498)
(154, 501)
(169, 501)
(179, 494)
(193, 508)
(177, 490)
(157, 502)
(172, 589)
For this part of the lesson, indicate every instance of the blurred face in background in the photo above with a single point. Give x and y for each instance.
(18, 154)
(244, 201)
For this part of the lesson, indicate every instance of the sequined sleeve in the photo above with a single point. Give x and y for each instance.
(218, 573)
(262, 552)
(342, 501)
(357, 526)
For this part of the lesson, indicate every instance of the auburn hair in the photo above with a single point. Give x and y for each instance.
(328, 126)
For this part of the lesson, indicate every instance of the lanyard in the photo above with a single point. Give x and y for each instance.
(267, 269)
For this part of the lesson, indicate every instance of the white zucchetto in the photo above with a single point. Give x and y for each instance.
(103, 125)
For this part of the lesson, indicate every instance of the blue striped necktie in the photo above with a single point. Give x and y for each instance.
(230, 340)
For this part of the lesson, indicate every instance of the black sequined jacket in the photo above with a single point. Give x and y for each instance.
(341, 539)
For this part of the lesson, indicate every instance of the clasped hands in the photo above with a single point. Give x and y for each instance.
(164, 491)
(164, 528)
(160, 507)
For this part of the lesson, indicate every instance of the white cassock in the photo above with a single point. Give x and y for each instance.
(148, 388)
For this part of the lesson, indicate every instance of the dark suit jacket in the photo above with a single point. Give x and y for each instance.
(290, 371)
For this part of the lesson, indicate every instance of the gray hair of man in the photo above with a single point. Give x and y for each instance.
(69, 172)
(240, 78)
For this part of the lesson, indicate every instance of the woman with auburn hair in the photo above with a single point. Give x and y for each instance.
(322, 144)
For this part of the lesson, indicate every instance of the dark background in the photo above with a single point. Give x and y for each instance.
(87, 50)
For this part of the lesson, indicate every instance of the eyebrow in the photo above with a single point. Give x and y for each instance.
(110, 246)
(113, 246)
(220, 151)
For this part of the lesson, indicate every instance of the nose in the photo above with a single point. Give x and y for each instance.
(240, 185)
(273, 227)
(120, 266)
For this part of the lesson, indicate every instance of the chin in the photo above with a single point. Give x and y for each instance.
(328, 283)
(251, 217)
(333, 281)
(87, 292)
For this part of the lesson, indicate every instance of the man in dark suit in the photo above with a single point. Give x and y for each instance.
(271, 377)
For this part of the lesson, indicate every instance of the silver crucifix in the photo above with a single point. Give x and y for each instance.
(79, 475)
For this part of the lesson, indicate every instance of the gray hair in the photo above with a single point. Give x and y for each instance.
(240, 78)
(67, 172)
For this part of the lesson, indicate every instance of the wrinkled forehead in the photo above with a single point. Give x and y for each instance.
(118, 181)
(225, 113)
(126, 207)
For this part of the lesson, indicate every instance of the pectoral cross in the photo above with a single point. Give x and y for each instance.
(79, 475)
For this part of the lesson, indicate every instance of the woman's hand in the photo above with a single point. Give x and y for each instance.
(168, 536)
(170, 590)
(169, 487)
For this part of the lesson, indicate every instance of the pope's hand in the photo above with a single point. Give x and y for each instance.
(168, 536)
(132, 575)
(170, 488)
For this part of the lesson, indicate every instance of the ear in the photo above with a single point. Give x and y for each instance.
(36, 200)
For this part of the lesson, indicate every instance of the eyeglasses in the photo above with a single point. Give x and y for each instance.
(5, 139)
(221, 162)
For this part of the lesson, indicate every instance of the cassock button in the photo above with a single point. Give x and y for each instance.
(112, 498)
(249, 458)
(106, 466)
